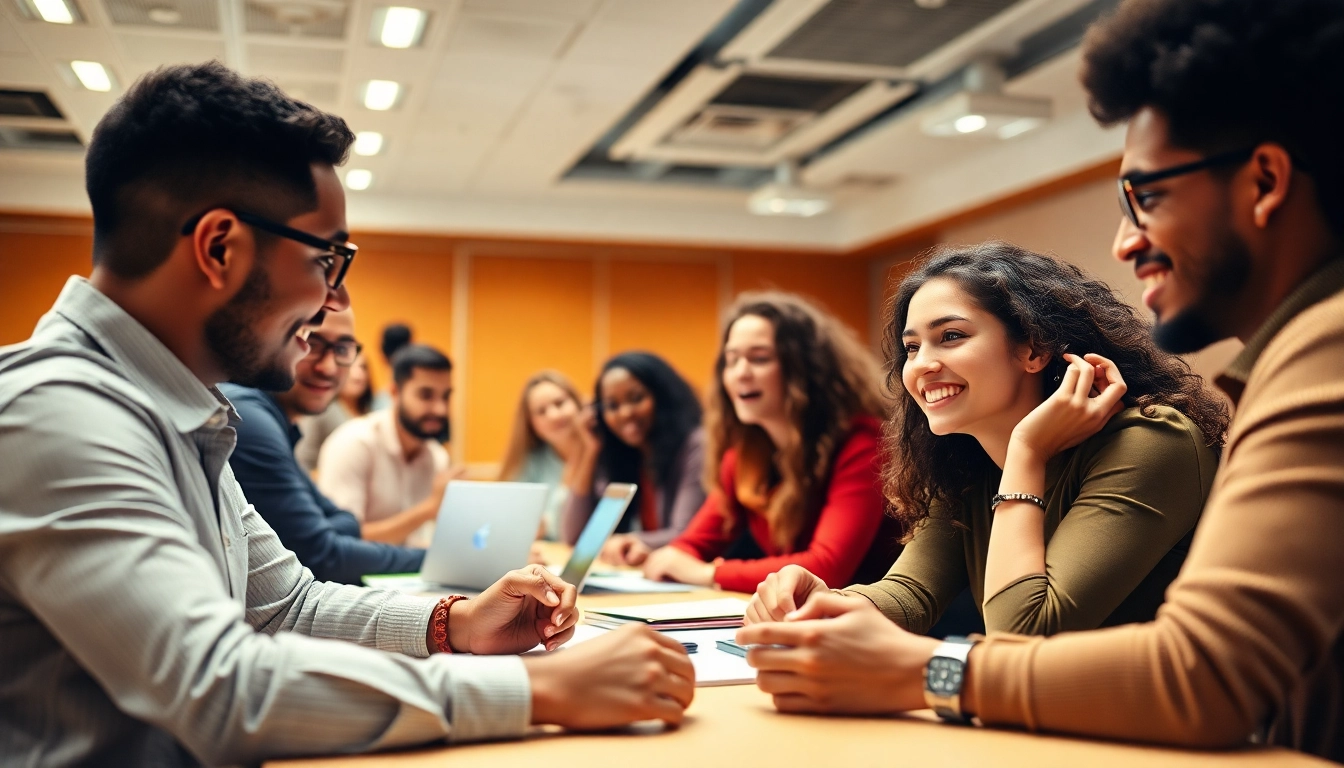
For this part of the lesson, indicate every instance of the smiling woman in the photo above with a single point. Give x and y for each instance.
(1045, 453)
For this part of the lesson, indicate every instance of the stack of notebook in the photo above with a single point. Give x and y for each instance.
(706, 614)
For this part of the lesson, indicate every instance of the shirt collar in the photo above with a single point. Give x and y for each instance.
(1325, 282)
(187, 403)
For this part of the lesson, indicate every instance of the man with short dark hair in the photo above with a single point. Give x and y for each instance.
(148, 615)
(1232, 188)
(387, 467)
(325, 535)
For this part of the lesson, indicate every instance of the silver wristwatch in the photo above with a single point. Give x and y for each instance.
(943, 678)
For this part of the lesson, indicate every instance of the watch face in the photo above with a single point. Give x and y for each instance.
(944, 677)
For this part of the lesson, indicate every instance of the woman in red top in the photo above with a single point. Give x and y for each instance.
(793, 431)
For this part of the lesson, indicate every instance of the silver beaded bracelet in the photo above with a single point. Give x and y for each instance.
(1002, 497)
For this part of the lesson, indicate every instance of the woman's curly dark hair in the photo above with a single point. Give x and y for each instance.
(829, 378)
(1054, 307)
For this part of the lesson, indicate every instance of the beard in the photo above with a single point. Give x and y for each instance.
(231, 337)
(1220, 282)
(415, 427)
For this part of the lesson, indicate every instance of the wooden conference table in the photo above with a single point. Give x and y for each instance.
(738, 726)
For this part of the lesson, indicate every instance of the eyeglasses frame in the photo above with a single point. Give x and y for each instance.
(344, 251)
(1125, 184)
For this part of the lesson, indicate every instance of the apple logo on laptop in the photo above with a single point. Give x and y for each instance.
(480, 537)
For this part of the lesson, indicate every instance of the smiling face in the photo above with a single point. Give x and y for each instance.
(551, 411)
(318, 380)
(962, 368)
(752, 375)
(258, 337)
(627, 407)
(1194, 265)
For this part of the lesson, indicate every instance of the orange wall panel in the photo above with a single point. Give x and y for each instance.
(401, 286)
(33, 269)
(524, 315)
(839, 285)
(671, 309)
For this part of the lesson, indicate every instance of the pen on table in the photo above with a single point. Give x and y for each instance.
(690, 647)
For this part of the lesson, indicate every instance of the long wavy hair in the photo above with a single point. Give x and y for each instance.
(523, 438)
(676, 414)
(1055, 308)
(829, 378)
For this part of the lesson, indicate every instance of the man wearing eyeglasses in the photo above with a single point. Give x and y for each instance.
(325, 535)
(387, 467)
(148, 614)
(1232, 189)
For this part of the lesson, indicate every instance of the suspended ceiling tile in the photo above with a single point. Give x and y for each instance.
(158, 50)
(507, 37)
(271, 59)
(571, 10)
(196, 14)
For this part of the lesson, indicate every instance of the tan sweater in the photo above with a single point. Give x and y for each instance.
(1119, 509)
(1249, 640)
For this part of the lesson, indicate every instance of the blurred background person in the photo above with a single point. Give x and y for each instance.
(646, 431)
(793, 430)
(355, 400)
(546, 442)
(395, 337)
(388, 467)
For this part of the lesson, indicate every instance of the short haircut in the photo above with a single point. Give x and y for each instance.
(413, 356)
(188, 138)
(1228, 74)
(395, 336)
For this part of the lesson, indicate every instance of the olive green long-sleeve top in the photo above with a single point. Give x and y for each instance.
(1120, 509)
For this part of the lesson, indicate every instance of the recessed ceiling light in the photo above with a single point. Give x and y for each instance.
(358, 178)
(398, 26)
(381, 95)
(970, 123)
(368, 143)
(92, 75)
(55, 11)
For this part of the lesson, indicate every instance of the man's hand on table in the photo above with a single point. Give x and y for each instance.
(624, 676)
(528, 606)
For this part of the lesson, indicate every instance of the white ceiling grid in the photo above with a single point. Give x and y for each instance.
(498, 102)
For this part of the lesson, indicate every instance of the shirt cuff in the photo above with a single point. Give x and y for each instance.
(491, 698)
(403, 623)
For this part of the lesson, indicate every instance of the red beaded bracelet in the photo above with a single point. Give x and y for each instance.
(438, 624)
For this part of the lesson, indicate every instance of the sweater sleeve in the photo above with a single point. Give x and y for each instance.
(848, 522)
(1142, 493)
(1253, 622)
(928, 575)
(706, 536)
(687, 497)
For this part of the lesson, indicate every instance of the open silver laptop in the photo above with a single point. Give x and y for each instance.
(484, 530)
(606, 516)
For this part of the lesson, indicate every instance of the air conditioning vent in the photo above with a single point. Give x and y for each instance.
(731, 127)
(28, 104)
(798, 93)
(884, 33)
(193, 14)
(58, 140)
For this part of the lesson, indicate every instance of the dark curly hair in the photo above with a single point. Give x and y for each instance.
(676, 414)
(829, 378)
(1054, 307)
(186, 138)
(1228, 74)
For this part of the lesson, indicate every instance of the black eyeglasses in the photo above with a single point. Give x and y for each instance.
(345, 352)
(339, 254)
(1129, 181)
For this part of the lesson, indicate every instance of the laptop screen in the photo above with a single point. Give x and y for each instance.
(610, 508)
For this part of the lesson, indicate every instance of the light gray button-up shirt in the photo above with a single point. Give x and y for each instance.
(150, 616)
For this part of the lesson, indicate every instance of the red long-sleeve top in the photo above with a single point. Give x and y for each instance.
(850, 540)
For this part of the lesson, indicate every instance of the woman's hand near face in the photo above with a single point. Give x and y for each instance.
(1089, 395)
